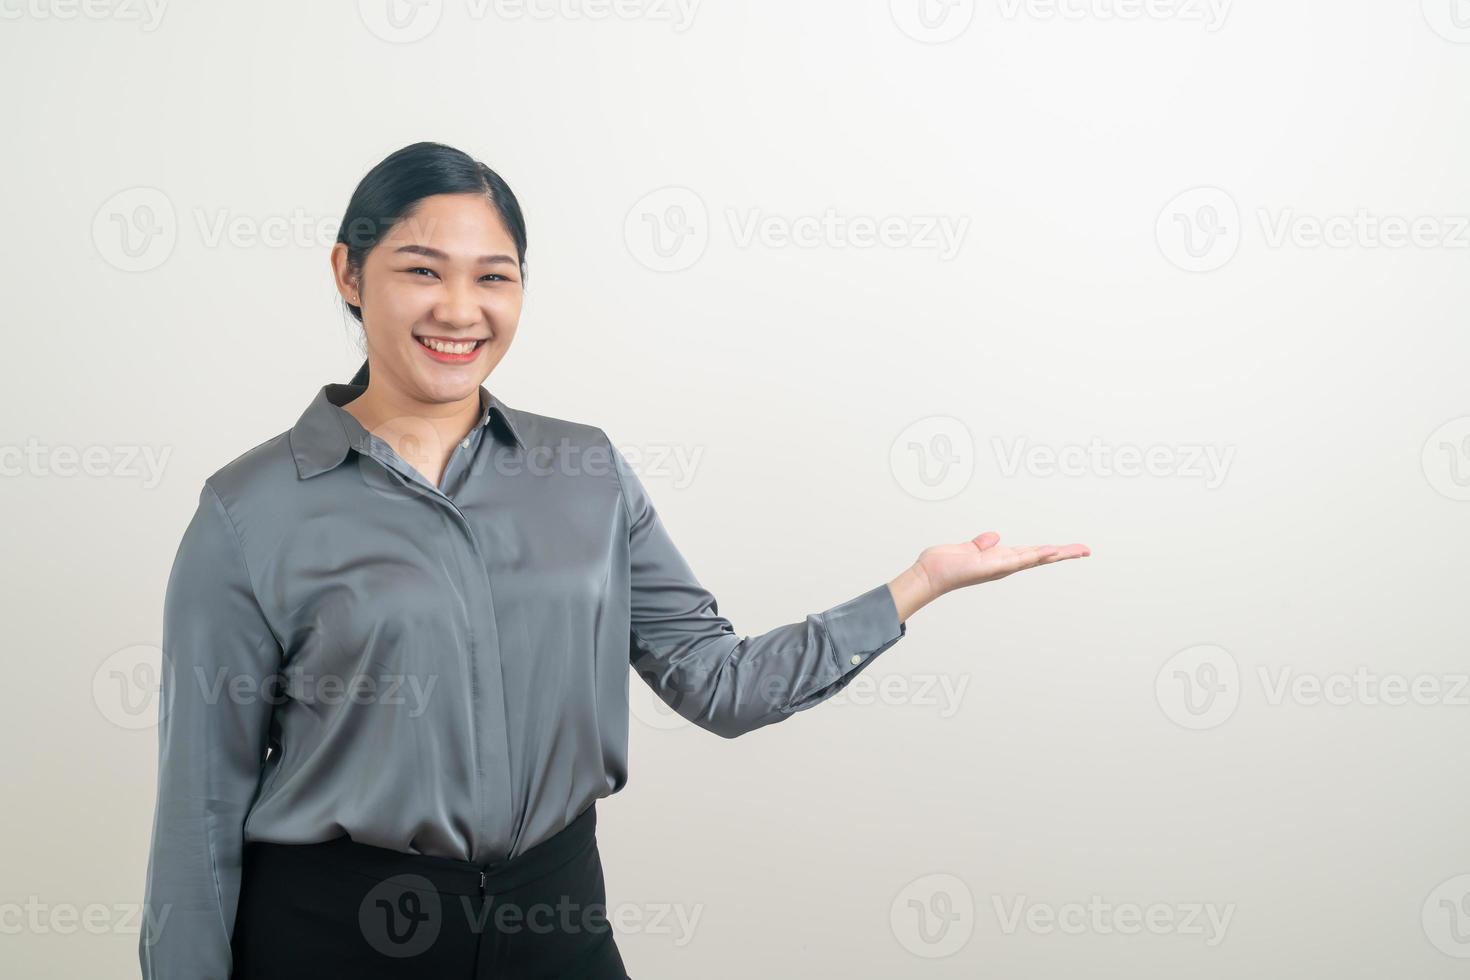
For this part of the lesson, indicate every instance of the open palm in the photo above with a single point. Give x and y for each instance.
(985, 559)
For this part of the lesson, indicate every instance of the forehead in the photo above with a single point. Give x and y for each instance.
(452, 223)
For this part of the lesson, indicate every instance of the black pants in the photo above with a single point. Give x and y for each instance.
(342, 909)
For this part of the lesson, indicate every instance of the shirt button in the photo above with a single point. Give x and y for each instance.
(856, 659)
(466, 443)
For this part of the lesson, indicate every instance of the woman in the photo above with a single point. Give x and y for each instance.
(397, 636)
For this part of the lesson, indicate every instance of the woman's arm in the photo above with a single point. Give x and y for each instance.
(693, 659)
(213, 718)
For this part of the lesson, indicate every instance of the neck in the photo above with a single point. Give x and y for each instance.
(411, 425)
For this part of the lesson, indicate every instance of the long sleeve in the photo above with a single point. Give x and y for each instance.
(214, 712)
(692, 658)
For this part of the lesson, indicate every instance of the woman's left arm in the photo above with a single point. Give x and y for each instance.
(692, 658)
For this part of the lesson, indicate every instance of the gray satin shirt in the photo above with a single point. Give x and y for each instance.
(350, 650)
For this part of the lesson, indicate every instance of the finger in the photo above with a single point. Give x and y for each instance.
(1068, 550)
(1029, 556)
(985, 540)
(1063, 552)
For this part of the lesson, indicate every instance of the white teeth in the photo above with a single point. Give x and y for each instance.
(448, 348)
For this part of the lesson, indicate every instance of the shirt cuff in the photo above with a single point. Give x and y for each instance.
(860, 629)
(864, 627)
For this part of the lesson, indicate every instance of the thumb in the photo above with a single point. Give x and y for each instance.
(988, 539)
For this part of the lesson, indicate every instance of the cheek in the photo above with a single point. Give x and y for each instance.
(405, 306)
(504, 312)
(392, 312)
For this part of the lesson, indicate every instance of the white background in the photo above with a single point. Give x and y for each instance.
(1139, 187)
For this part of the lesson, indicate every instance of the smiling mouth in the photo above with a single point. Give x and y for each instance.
(453, 348)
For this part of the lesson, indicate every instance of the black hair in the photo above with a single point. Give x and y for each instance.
(392, 190)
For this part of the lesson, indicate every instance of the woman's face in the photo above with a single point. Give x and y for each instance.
(449, 274)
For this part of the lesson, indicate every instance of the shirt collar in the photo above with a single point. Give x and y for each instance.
(322, 436)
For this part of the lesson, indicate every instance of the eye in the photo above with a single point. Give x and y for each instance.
(420, 268)
(496, 276)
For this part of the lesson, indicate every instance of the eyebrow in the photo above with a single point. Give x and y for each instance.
(434, 253)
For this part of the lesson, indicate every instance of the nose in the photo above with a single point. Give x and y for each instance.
(458, 305)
